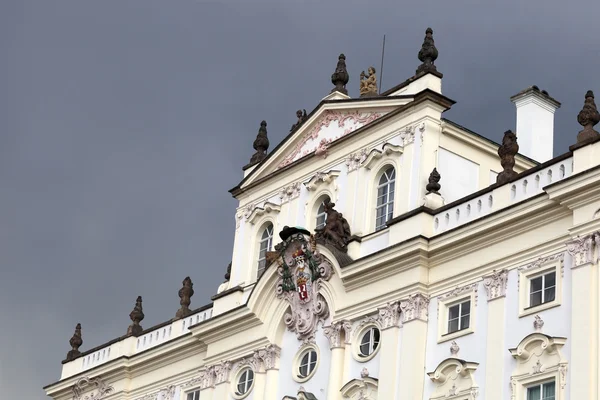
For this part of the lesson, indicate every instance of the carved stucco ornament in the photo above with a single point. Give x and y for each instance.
(538, 323)
(355, 160)
(99, 389)
(416, 307)
(454, 348)
(581, 250)
(495, 284)
(206, 378)
(454, 379)
(301, 270)
(333, 333)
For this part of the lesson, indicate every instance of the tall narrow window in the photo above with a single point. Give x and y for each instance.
(266, 240)
(385, 198)
(321, 215)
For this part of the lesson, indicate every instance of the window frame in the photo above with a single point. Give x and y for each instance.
(320, 204)
(533, 271)
(260, 270)
(192, 391)
(236, 381)
(359, 334)
(447, 301)
(390, 184)
(541, 386)
(298, 362)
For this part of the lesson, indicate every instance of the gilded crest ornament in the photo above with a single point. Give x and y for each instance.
(301, 271)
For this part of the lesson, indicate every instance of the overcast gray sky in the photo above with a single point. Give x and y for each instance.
(124, 123)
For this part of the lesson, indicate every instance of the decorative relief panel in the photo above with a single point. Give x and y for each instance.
(495, 284)
(301, 270)
(167, 393)
(332, 126)
(205, 379)
(97, 388)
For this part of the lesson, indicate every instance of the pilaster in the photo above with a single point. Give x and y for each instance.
(584, 327)
(222, 376)
(337, 346)
(495, 286)
(389, 317)
(414, 342)
(270, 360)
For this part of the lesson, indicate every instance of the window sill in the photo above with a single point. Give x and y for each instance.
(449, 336)
(536, 309)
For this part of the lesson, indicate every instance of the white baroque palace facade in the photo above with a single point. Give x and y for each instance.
(357, 273)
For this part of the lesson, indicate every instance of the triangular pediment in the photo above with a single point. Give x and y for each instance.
(329, 122)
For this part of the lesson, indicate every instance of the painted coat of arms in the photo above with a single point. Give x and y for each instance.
(301, 270)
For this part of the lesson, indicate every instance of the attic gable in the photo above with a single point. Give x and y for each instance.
(329, 122)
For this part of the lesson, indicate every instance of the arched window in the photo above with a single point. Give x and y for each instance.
(321, 215)
(266, 240)
(385, 198)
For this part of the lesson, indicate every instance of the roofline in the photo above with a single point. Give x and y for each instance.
(411, 80)
(424, 95)
(160, 325)
(459, 126)
(317, 108)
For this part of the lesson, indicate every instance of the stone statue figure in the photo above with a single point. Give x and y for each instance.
(588, 117)
(368, 83)
(336, 231)
(137, 315)
(301, 115)
(340, 77)
(75, 342)
(185, 296)
(507, 152)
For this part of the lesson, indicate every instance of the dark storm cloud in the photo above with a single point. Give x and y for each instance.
(125, 123)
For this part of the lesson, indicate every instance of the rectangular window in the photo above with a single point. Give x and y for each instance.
(542, 289)
(545, 391)
(459, 316)
(193, 395)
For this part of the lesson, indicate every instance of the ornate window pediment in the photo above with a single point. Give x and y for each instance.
(361, 389)
(374, 155)
(258, 212)
(321, 178)
(454, 379)
(538, 358)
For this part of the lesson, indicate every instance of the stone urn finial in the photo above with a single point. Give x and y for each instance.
(588, 117)
(137, 316)
(434, 182)
(428, 53)
(185, 296)
(76, 341)
(261, 144)
(507, 152)
(340, 77)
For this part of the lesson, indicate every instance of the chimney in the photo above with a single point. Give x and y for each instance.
(535, 123)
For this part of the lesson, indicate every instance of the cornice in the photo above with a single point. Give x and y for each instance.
(383, 264)
(505, 223)
(577, 190)
(225, 325)
(237, 351)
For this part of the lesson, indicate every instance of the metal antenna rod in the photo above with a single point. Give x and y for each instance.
(381, 69)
